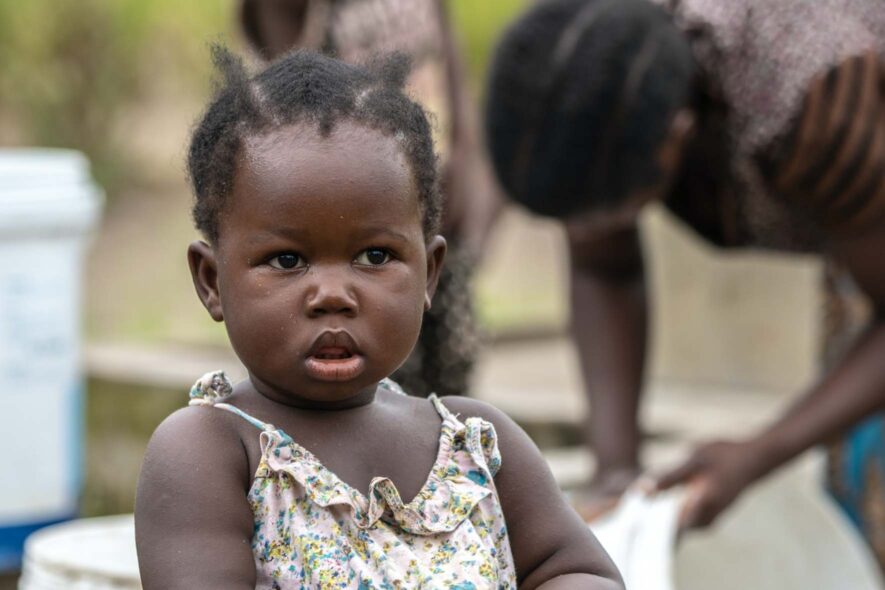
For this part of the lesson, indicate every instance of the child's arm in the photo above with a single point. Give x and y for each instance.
(193, 525)
(552, 547)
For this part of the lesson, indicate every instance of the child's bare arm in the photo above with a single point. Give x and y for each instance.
(193, 525)
(552, 547)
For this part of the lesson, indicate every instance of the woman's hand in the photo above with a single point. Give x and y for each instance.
(715, 474)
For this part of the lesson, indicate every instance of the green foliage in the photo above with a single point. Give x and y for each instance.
(69, 69)
(478, 25)
(72, 71)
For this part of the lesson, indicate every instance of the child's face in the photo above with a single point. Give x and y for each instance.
(321, 270)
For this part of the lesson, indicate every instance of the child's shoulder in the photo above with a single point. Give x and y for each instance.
(195, 437)
(196, 421)
(191, 500)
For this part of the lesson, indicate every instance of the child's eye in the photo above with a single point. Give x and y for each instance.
(373, 257)
(286, 261)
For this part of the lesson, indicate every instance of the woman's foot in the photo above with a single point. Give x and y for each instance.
(603, 492)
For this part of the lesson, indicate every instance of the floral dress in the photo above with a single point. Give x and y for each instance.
(313, 530)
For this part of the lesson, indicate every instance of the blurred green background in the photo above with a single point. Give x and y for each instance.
(71, 73)
(123, 81)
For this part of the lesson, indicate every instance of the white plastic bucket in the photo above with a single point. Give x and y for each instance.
(88, 554)
(784, 534)
(48, 205)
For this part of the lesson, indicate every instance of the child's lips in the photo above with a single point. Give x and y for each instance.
(327, 367)
(334, 356)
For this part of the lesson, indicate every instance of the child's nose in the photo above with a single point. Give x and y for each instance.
(331, 295)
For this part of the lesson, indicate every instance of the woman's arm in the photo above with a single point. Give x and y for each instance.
(609, 316)
(833, 169)
(552, 547)
(193, 525)
(854, 389)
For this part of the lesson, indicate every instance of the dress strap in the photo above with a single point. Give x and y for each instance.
(210, 388)
(441, 408)
(213, 387)
(392, 386)
(250, 419)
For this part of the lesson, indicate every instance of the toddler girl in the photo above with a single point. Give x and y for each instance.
(315, 188)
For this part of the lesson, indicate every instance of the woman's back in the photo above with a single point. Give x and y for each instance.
(764, 58)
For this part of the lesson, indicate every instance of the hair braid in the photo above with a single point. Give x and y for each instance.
(305, 86)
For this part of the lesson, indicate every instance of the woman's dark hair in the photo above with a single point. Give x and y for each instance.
(304, 86)
(581, 95)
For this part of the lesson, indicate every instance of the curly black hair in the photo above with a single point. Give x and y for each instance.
(305, 86)
(581, 95)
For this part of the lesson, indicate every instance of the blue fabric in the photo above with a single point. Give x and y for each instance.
(857, 479)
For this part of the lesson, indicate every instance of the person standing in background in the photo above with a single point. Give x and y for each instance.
(356, 31)
(757, 123)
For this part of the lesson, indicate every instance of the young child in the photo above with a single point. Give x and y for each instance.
(316, 192)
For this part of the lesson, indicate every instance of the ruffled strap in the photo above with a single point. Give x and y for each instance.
(479, 437)
(210, 388)
(481, 441)
(213, 387)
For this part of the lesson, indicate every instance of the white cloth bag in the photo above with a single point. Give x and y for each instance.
(783, 534)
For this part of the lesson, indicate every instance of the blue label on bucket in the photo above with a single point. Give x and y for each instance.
(13, 537)
(76, 439)
(12, 541)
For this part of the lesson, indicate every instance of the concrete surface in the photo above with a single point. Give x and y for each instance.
(536, 382)
(746, 319)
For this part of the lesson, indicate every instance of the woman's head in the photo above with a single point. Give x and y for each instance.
(273, 27)
(315, 184)
(582, 98)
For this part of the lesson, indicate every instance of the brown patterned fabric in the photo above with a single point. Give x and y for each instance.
(768, 55)
(359, 29)
(832, 164)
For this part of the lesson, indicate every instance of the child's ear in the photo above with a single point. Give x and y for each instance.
(436, 254)
(204, 272)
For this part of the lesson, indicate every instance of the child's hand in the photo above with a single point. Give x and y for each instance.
(715, 475)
